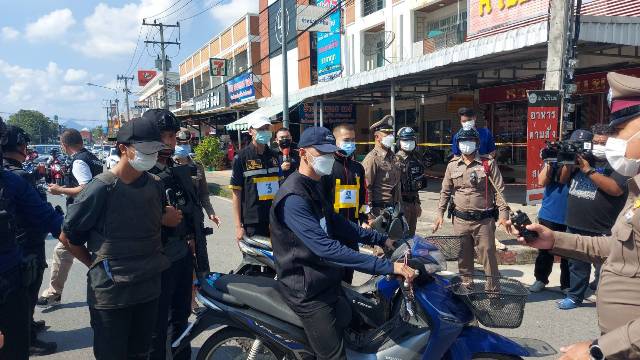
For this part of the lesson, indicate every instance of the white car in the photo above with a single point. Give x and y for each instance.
(113, 158)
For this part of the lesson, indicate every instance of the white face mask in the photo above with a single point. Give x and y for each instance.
(615, 150)
(599, 151)
(407, 145)
(468, 125)
(322, 165)
(388, 141)
(467, 147)
(143, 162)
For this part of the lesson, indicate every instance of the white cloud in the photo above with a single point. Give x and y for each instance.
(50, 26)
(232, 10)
(113, 31)
(9, 33)
(75, 75)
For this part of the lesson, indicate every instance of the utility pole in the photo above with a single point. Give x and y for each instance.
(126, 92)
(163, 60)
(285, 67)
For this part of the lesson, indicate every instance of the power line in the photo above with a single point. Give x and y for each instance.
(167, 9)
(203, 11)
(175, 11)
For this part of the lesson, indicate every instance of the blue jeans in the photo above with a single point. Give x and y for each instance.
(579, 272)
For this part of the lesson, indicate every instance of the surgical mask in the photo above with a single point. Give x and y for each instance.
(615, 150)
(599, 151)
(407, 145)
(388, 141)
(183, 151)
(143, 162)
(348, 147)
(468, 125)
(263, 137)
(467, 147)
(322, 165)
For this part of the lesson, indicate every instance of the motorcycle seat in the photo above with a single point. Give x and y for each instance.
(259, 293)
(368, 287)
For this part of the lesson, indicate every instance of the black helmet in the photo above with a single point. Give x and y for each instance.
(164, 118)
(15, 136)
(470, 134)
(406, 133)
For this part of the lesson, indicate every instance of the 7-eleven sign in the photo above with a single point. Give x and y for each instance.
(218, 67)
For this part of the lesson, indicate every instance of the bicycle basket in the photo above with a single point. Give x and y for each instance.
(496, 301)
(450, 245)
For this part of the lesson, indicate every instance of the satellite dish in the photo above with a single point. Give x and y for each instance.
(378, 42)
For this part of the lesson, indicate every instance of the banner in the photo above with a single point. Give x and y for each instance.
(307, 19)
(488, 17)
(332, 113)
(542, 125)
(144, 76)
(329, 62)
(241, 89)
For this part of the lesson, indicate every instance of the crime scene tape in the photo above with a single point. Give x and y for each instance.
(504, 144)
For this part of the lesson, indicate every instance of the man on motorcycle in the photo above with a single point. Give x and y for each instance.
(306, 236)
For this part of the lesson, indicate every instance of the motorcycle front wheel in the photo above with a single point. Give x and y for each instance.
(236, 344)
(489, 356)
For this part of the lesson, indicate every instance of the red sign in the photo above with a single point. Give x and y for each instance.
(488, 17)
(144, 76)
(542, 125)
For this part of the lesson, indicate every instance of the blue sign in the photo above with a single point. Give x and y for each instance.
(329, 66)
(241, 89)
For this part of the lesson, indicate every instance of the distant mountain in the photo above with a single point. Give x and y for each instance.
(79, 124)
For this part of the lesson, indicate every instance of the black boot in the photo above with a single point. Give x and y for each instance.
(39, 347)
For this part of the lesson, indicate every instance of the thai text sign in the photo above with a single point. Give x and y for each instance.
(542, 126)
(332, 113)
(329, 64)
(486, 17)
(241, 89)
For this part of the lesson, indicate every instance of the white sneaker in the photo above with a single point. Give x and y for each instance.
(537, 286)
(500, 245)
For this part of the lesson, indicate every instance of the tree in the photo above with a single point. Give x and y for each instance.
(40, 128)
(209, 153)
(97, 133)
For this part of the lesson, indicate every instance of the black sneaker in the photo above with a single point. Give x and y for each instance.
(48, 301)
(40, 348)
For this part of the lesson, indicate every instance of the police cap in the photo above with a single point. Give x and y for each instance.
(385, 124)
(624, 98)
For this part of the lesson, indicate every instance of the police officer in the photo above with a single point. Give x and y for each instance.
(472, 181)
(618, 298)
(344, 187)
(307, 243)
(114, 228)
(382, 173)
(18, 199)
(254, 181)
(30, 238)
(84, 167)
(174, 306)
(413, 167)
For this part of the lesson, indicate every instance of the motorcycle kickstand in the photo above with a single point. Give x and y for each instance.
(255, 347)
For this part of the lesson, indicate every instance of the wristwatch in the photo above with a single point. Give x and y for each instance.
(595, 353)
(590, 172)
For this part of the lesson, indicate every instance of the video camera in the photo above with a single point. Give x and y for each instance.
(565, 152)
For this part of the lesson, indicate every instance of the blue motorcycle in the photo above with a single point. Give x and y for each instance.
(432, 318)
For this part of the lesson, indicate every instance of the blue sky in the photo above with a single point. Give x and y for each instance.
(50, 49)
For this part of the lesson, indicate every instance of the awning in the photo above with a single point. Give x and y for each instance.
(622, 30)
(268, 109)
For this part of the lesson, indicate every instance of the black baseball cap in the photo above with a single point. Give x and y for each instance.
(143, 134)
(581, 135)
(320, 138)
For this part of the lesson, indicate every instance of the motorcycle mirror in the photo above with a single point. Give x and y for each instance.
(396, 229)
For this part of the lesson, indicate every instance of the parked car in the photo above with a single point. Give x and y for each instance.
(113, 158)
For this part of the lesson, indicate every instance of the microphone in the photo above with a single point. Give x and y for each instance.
(285, 154)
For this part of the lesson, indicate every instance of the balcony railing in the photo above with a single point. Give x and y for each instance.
(441, 40)
(371, 6)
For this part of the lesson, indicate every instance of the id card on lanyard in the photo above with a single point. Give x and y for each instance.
(347, 196)
(267, 187)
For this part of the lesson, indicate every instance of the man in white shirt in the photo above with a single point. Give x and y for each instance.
(84, 166)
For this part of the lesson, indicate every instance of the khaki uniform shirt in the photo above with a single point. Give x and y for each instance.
(382, 176)
(618, 298)
(470, 188)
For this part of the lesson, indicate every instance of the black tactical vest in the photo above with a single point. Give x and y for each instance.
(303, 276)
(127, 234)
(412, 172)
(95, 166)
(261, 175)
(7, 221)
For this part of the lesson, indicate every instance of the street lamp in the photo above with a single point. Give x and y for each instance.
(112, 89)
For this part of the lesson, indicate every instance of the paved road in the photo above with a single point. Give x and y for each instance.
(70, 322)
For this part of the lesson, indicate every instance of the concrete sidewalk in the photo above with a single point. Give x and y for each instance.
(514, 194)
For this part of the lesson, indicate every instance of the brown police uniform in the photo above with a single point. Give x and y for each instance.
(412, 169)
(475, 203)
(618, 298)
(381, 173)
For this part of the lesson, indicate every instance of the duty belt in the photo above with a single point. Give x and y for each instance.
(411, 198)
(475, 215)
(382, 204)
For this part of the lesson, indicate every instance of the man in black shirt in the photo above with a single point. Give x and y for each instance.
(113, 227)
(287, 155)
(597, 194)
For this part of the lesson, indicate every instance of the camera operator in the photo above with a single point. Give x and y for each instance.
(596, 196)
(551, 214)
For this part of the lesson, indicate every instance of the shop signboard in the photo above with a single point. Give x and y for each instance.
(144, 76)
(488, 17)
(542, 125)
(329, 62)
(275, 27)
(210, 100)
(332, 113)
(217, 67)
(240, 89)
(311, 18)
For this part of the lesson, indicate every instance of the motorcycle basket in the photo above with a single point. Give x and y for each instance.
(449, 245)
(497, 302)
